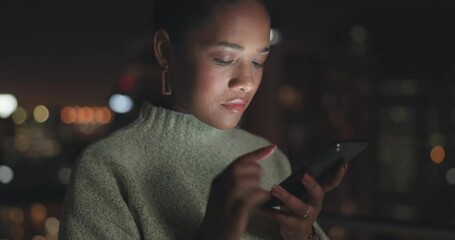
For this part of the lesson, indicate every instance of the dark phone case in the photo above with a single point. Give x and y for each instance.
(320, 167)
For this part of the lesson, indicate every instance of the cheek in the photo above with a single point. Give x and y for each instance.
(209, 84)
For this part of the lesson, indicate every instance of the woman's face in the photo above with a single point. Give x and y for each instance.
(217, 74)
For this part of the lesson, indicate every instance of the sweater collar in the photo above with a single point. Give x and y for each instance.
(169, 122)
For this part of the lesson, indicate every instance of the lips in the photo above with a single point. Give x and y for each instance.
(237, 105)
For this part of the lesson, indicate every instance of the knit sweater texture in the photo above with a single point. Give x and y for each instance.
(151, 179)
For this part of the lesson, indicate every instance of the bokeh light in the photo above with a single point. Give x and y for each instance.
(40, 114)
(337, 232)
(86, 115)
(400, 114)
(126, 82)
(8, 104)
(290, 96)
(38, 213)
(22, 142)
(348, 208)
(359, 49)
(68, 115)
(6, 174)
(358, 34)
(16, 215)
(437, 154)
(64, 175)
(450, 176)
(19, 116)
(108, 116)
(52, 224)
(437, 139)
(275, 36)
(120, 103)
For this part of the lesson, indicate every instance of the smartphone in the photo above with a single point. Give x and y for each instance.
(320, 167)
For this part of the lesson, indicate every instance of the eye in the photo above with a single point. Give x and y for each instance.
(258, 64)
(222, 62)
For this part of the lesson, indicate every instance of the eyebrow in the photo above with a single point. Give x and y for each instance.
(240, 48)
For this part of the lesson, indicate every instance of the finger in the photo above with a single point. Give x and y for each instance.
(314, 190)
(333, 181)
(243, 187)
(245, 169)
(291, 202)
(245, 205)
(280, 217)
(259, 154)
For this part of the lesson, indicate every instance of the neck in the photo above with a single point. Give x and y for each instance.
(169, 102)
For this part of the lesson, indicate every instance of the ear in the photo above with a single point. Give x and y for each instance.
(162, 47)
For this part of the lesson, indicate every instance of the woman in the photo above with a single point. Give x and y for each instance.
(184, 170)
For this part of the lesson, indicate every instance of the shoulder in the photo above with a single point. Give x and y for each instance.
(119, 147)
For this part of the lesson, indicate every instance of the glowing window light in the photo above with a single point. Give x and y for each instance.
(275, 36)
(8, 104)
(437, 154)
(450, 176)
(40, 114)
(6, 174)
(19, 116)
(51, 224)
(120, 103)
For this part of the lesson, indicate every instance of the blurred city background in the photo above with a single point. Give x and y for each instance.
(379, 71)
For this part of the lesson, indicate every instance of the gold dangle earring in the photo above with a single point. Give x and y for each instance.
(165, 83)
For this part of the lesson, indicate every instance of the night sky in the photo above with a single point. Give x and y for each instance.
(67, 48)
(79, 48)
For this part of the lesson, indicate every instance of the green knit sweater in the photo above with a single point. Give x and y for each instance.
(151, 180)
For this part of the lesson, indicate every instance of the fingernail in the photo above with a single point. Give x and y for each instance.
(275, 190)
(272, 147)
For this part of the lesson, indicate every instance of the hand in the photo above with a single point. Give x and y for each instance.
(233, 195)
(296, 218)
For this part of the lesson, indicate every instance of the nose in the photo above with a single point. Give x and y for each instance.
(243, 80)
